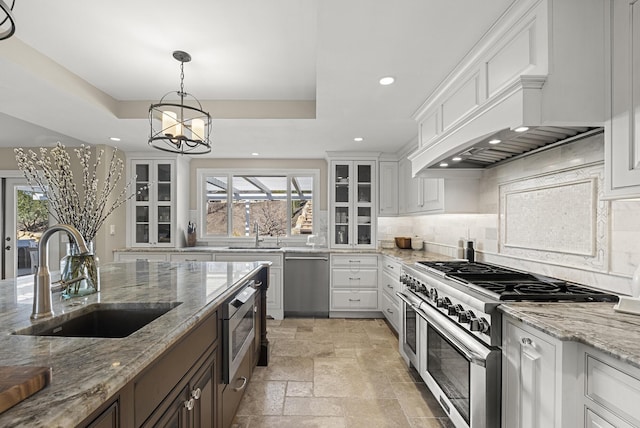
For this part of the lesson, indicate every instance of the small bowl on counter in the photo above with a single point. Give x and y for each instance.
(403, 243)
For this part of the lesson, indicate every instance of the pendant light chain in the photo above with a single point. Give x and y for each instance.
(181, 78)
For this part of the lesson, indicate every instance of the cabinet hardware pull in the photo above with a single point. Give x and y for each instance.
(390, 286)
(241, 387)
(354, 261)
(354, 279)
(196, 393)
(390, 267)
(190, 260)
(526, 341)
(189, 404)
(389, 310)
(354, 300)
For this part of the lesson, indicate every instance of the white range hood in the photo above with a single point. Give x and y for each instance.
(540, 66)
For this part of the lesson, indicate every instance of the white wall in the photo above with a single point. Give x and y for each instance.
(604, 255)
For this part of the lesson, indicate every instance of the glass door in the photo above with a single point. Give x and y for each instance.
(163, 203)
(153, 207)
(142, 204)
(24, 218)
(341, 204)
(363, 203)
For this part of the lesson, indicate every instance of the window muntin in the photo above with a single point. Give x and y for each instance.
(281, 203)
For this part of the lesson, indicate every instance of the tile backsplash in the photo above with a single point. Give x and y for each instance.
(543, 213)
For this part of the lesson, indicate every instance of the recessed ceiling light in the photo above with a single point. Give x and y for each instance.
(114, 139)
(456, 159)
(522, 129)
(444, 164)
(495, 141)
(255, 154)
(387, 80)
(358, 139)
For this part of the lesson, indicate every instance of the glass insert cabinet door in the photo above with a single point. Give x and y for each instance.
(154, 203)
(352, 203)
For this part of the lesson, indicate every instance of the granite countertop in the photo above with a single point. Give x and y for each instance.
(87, 371)
(594, 324)
(411, 256)
(404, 256)
(225, 249)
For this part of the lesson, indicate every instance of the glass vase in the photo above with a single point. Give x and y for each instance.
(79, 273)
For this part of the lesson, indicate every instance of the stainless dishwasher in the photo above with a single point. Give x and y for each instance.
(306, 285)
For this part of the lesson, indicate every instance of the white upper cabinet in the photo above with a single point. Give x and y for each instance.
(353, 209)
(157, 213)
(388, 187)
(622, 130)
(423, 195)
(540, 64)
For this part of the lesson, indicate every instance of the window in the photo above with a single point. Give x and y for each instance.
(279, 202)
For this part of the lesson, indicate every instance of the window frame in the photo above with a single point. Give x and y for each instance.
(203, 173)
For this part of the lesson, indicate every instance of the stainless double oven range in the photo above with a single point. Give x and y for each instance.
(452, 329)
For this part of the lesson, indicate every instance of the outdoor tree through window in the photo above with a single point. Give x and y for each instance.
(280, 204)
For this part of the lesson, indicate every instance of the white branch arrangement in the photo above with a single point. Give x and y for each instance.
(50, 173)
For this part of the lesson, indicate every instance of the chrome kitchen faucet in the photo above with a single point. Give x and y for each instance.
(42, 280)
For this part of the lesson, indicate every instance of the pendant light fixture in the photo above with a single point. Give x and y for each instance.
(7, 22)
(182, 127)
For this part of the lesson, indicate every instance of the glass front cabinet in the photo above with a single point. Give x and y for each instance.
(353, 204)
(153, 206)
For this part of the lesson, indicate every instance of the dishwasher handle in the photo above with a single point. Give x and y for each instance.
(325, 259)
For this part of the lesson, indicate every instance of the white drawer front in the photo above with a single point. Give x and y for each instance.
(346, 278)
(355, 261)
(390, 284)
(191, 257)
(391, 311)
(614, 389)
(354, 299)
(391, 266)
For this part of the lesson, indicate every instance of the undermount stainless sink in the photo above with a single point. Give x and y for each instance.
(105, 320)
(253, 247)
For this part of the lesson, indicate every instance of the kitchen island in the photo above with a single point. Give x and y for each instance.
(95, 374)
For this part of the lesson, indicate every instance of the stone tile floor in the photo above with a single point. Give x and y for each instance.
(342, 373)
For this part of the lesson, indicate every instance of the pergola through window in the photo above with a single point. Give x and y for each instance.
(281, 204)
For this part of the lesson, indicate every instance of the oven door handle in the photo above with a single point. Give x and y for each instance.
(472, 349)
(409, 300)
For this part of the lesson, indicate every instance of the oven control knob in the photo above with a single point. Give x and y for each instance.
(480, 324)
(464, 316)
(439, 302)
(433, 294)
(446, 303)
(422, 287)
(454, 310)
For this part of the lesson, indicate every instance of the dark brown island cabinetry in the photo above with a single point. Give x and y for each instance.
(183, 387)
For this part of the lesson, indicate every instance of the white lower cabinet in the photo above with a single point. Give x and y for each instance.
(538, 379)
(390, 285)
(611, 391)
(275, 308)
(354, 285)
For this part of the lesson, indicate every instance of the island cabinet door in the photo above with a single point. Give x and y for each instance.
(193, 405)
(203, 392)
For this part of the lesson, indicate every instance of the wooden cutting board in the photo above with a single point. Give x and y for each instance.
(20, 382)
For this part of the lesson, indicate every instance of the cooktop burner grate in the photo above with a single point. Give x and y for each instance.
(509, 285)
